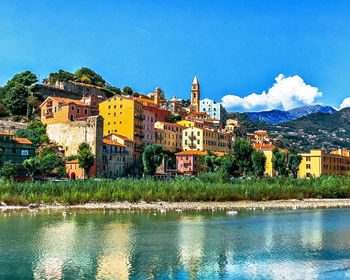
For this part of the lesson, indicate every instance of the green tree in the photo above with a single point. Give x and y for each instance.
(279, 162)
(89, 76)
(61, 76)
(111, 91)
(8, 171)
(32, 165)
(238, 131)
(161, 93)
(25, 78)
(16, 100)
(242, 151)
(49, 162)
(294, 161)
(259, 161)
(152, 157)
(127, 90)
(85, 158)
(61, 171)
(171, 118)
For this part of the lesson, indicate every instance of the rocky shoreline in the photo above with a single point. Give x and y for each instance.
(163, 206)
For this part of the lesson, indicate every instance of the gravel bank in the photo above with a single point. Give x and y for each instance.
(163, 206)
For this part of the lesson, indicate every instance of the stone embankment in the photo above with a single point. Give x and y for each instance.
(163, 206)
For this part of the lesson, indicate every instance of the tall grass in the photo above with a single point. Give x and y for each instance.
(207, 187)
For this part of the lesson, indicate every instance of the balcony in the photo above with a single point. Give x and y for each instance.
(49, 114)
(192, 137)
(191, 144)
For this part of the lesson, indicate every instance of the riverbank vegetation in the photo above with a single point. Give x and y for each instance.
(207, 187)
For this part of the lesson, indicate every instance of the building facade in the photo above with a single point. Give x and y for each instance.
(200, 139)
(130, 156)
(114, 161)
(319, 162)
(167, 139)
(174, 127)
(214, 110)
(148, 128)
(187, 162)
(57, 109)
(16, 150)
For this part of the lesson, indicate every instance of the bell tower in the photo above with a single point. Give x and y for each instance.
(156, 97)
(195, 94)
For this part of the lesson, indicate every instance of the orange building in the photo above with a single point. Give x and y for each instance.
(58, 109)
(75, 172)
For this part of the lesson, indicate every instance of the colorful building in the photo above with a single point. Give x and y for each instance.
(319, 162)
(148, 128)
(213, 109)
(188, 123)
(200, 139)
(187, 162)
(123, 116)
(130, 156)
(57, 109)
(173, 105)
(75, 172)
(177, 128)
(114, 162)
(197, 116)
(167, 139)
(16, 150)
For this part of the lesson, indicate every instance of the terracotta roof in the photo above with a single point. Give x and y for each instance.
(65, 101)
(194, 152)
(113, 143)
(22, 141)
(260, 132)
(6, 133)
(212, 120)
(144, 100)
(121, 136)
(267, 147)
(74, 161)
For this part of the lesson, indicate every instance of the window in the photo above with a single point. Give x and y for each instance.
(308, 159)
(78, 110)
(71, 117)
(86, 111)
(24, 153)
(308, 166)
(72, 108)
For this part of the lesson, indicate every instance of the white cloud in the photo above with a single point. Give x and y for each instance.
(286, 93)
(345, 103)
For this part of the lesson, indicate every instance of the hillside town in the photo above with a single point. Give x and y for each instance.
(117, 129)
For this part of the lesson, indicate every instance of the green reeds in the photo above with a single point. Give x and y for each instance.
(207, 187)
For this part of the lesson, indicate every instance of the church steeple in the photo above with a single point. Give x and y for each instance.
(156, 96)
(195, 94)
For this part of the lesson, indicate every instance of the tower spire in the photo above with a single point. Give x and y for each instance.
(195, 94)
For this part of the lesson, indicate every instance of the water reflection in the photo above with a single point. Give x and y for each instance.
(301, 244)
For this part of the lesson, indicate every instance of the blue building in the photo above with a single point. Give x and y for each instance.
(214, 110)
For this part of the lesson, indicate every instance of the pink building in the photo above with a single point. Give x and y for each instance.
(148, 128)
(187, 161)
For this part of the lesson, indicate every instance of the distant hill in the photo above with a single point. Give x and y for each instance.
(328, 131)
(279, 116)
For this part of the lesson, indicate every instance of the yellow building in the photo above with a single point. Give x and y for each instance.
(267, 150)
(318, 162)
(194, 138)
(187, 123)
(124, 116)
(174, 127)
(167, 139)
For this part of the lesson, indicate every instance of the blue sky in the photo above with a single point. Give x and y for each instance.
(235, 47)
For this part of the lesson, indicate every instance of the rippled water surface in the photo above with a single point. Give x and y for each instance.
(270, 244)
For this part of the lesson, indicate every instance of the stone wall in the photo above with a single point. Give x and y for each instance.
(69, 135)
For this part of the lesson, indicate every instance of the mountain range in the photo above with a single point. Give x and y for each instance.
(279, 116)
(318, 130)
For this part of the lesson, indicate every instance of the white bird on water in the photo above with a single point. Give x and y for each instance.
(231, 212)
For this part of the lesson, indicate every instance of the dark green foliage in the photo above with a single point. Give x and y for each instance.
(25, 78)
(85, 158)
(16, 101)
(110, 91)
(161, 93)
(259, 160)
(61, 76)
(279, 162)
(152, 157)
(35, 132)
(49, 162)
(294, 161)
(8, 171)
(61, 171)
(172, 118)
(32, 165)
(86, 75)
(127, 90)
(242, 151)
(71, 157)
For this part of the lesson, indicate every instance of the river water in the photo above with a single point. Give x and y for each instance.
(270, 244)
